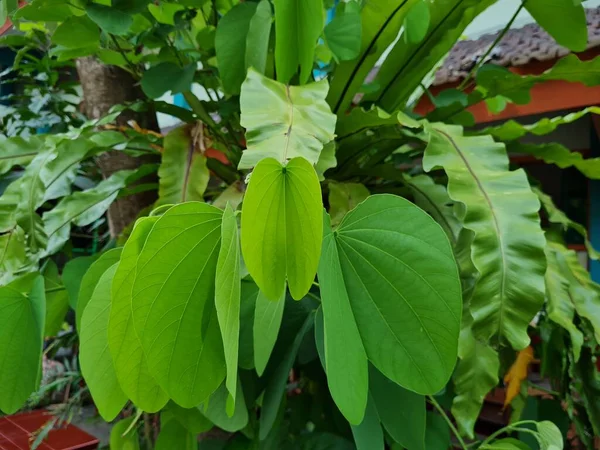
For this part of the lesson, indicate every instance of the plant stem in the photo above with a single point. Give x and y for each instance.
(506, 429)
(147, 430)
(543, 389)
(437, 406)
(481, 61)
(132, 67)
(55, 289)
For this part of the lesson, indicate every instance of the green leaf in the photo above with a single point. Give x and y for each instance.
(368, 435)
(298, 25)
(17, 151)
(215, 409)
(497, 201)
(506, 444)
(559, 304)
(77, 32)
(344, 197)
(326, 160)
(129, 441)
(109, 19)
(248, 304)
(282, 223)
(96, 362)
(322, 441)
(395, 295)
(173, 302)
(267, 320)
(475, 376)
(167, 76)
(589, 391)
(380, 25)
(511, 129)
(409, 63)
(173, 436)
(81, 209)
(549, 436)
(416, 22)
(564, 20)
(131, 365)
(362, 120)
(227, 296)
(343, 33)
(233, 195)
(192, 419)
(88, 283)
(345, 356)
(405, 424)
(183, 173)
(276, 386)
(12, 253)
(438, 433)
(231, 45)
(259, 33)
(22, 306)
(299, 121)
(57, 300)
(73, 274)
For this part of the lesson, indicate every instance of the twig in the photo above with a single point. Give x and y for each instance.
(122, 52)
(437, 406)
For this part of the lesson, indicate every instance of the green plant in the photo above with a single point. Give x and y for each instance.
(422, 292)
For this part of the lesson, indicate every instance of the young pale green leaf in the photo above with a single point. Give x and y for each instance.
(89, 281)
(215, 409)
(395, 294)
(233, 195)
(183, 173)
(72, 276)
(282, 227)
(109, 19)
(368, 435)
(96, 362)
(131, 365)
(344, 197)
(121, 441)
(191, 418)
(276, 387)
(232, 44)
(343, 33)
(259, 33)
(81, 208)
(57, 299)
(173, 435)
(22, 306)
(173, 302)
(416, 22)
(327, 160)
(267, 320)
(167, 76)
(227, 297)
(564, 20)
(298, 25)
(405, 423)
(549, 436)
(17, 151)
(345, 357)
(77, 32)
(284, 122)
(497, 201)
(380, 25)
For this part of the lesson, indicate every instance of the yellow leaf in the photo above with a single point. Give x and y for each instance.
(516, 374)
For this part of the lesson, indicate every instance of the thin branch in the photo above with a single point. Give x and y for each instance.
(122, 52)
(437, 406)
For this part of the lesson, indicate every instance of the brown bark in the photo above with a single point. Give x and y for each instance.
(103, 87)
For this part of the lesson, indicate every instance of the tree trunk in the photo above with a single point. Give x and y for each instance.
(103, 87)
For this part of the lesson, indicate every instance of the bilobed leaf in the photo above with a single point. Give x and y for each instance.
(298, 25)
(17, 151)
(89, 281)
(561, 309)
(96, 362)
(396, 295)
(345, 357)
(81, 209)
(73, 274)
(282, 227)
(259, 32)
(173, 302)
(22, 306)
(191, 418)
(405, 424)
(131, 365)
(267, 320)
(497, 201)
(368, 435)
(343, 33)
(110, 19)
(183, 173)
(344, 197)
(564, 20)
(173, 435)
(215, 409)
(227, 296)
(416, 22)
(57, 300)
(77, 32)
(284, 122)
(167, 76)
(231, 45)
(119, 441)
